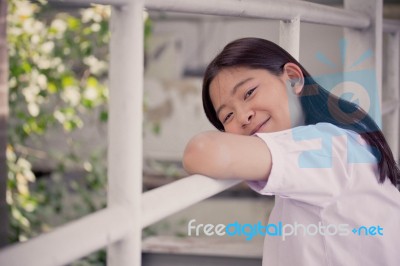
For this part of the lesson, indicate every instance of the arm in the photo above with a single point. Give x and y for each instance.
(224, 155)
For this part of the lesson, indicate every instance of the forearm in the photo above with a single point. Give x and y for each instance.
(204, 155)
(224, 155)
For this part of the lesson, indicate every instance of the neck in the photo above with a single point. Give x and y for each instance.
(297, 117)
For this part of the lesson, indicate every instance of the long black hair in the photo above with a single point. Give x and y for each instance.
(318, 104)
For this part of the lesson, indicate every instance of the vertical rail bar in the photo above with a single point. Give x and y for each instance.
(125, 126)
(392, 87)
(289, 39)
(356, 47)
(289, 36)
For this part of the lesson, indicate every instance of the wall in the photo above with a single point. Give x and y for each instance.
(180, 48)
(199, 39)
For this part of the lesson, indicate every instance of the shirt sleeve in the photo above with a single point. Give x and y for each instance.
(311, 163)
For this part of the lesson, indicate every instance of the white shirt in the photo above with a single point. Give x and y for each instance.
(324, 175)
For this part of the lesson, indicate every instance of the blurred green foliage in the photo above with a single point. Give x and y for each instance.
(58, 71)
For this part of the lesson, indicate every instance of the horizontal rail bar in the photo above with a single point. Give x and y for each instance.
(389, 106)
(71, 241)
(268, 9)
(166, 200)
(95, 231)
(89, 2)
(281, 10)
(391, 25)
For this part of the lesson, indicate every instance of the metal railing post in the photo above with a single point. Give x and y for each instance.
(358, 43)
(289, 36)
(391, 74)
(125, 127)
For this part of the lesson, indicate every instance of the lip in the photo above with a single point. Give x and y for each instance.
(257, 128)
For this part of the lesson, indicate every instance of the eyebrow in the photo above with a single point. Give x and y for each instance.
(234, 90)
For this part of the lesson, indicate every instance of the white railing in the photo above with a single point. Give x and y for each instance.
(107, 226)
(119, 225)
(391, 107)
(125, 127)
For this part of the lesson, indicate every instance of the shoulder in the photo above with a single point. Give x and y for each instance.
(307, 132)
(318, 129)
(315, 145)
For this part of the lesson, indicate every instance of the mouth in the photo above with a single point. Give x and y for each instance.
(259, 127)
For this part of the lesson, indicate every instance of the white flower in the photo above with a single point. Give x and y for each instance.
(59, 116)
(71, 95)
(14, 31)
(90, 93)
(61, 68)
(31, 26)
(30, 93)
(95, 27)
(24, 9)
(35, 39)
(55, 62)
(87, 166)
(47, 47)
(59, 25)
(12, 82)
(42, 81)
(9, 198)
(96, 66)
(87, 14)
(44, 63)
(38, 26)
(33, 109)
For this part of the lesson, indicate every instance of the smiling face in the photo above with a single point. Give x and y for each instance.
(249, 101)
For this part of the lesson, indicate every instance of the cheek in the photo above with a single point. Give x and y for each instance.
(277, 104)
(286, 120)
(281, 115)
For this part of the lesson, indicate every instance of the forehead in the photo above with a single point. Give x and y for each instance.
(224, 82)
(229, 76)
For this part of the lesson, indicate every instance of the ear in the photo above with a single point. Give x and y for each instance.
(294, 77)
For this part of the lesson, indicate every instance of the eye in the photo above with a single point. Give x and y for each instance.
(227, 118)
(249, 93)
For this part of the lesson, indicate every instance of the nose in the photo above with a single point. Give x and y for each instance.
(246, 118)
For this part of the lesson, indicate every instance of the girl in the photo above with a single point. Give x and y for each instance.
(325, 159)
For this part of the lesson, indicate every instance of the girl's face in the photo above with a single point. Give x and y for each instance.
(249, 101)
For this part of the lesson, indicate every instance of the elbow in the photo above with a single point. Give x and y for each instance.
(192, 155)
(202, 155)
(188, 158)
